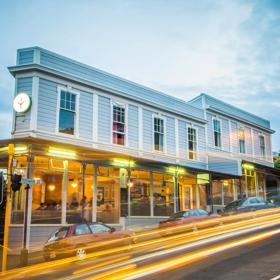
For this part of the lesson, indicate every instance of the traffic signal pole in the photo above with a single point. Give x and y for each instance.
(11, 150)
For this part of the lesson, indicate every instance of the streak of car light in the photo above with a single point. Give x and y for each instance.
(180, 261)
(57, 263)
(180, 248)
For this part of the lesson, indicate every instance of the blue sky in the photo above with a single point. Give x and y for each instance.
(228, 49)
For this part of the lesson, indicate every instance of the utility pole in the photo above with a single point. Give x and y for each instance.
(11, 150)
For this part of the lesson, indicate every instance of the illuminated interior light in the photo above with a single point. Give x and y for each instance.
(4, 149)
(248, 166)
(21, 149)
(51, 187)
(225, 183)
(123, 162)
(130, 184)
(62, 153)
(74, 185)
(176, 170)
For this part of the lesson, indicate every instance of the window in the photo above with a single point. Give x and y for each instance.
(98, 228)
(192, 143)
(217, 133)
(158, 134)
(67, 112)
(262, 145)
(118, 124)
(241, 141)
(82, 229)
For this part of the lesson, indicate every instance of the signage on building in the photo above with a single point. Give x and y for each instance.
(22, 103)
(30, 182)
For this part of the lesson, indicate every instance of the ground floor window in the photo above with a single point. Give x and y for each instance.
(108, 194)
(163, 194)
(47, 196)
(140, 193)
(188, 192)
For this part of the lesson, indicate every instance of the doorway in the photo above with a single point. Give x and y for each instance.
(186, 197)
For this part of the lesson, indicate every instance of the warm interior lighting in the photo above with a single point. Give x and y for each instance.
(241, 133)
(61, 153)
(74, 185)
(225, 183)
(21, 149)
(176, 170)
(51, 187)
(248, 166)
(129, 184)
(4, 149)
(123, 162)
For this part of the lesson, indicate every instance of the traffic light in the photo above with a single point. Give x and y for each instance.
(16, 182)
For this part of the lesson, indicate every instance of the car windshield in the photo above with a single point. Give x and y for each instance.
(179, 215)
(236, 203)
(59, 234)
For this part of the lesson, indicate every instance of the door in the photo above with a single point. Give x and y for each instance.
(187, 197)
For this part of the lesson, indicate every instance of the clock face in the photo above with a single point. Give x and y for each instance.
(22, 103)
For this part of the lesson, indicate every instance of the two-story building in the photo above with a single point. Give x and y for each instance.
(103, 148)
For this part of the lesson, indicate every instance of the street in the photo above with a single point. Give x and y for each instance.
(242, 249)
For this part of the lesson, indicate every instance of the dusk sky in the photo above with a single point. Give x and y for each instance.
(228, 49)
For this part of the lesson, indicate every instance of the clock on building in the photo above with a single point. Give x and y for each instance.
(22, 103)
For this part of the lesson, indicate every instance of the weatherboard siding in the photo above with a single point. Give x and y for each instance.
(22, 121)
(104, 120)
(47, 105)
(25, 57)
(133, 129)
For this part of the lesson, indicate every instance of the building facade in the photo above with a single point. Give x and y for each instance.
(102, 148)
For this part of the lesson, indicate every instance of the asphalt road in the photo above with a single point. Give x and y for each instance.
(256, 261)
(248, 249)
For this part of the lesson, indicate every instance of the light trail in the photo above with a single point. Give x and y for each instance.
(267, 216)
(186, 259)
(178, 249)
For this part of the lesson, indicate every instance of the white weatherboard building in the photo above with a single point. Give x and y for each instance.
(105, 149)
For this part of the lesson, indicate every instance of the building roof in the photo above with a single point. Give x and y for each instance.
(47, 61)
(213, 104)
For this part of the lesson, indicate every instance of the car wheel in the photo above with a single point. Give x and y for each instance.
(81, 253)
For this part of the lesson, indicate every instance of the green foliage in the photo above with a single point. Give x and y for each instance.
(277, 163)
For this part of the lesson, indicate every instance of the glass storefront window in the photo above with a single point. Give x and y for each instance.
(108, 192)
(140, 193)
(261, 184)
(251, 182)
(228, 191)
(79, 194)
(47, 196)
(188, 191)
(217, 192)
(163, 186)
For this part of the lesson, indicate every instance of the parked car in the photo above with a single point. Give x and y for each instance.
(187, 217)
(275, 199)
(246, 205)
(82, 238)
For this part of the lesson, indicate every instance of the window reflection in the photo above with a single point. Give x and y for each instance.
(140, 193)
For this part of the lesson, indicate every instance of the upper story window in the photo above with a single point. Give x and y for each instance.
(158, 134)
(241, 135)
(67, 112)
(118, 124)
(192, 143)
(262, 145)
(217, 133)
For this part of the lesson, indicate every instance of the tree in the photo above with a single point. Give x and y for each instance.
(277, 163)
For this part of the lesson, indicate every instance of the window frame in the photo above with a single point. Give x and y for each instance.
(241, 139)
(125, 133)
(221, 133)
(261, 136)
(76, 116)
(158, 116)
(196, 143)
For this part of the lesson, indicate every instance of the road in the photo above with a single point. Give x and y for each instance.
(257, 261)
(240, 249)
